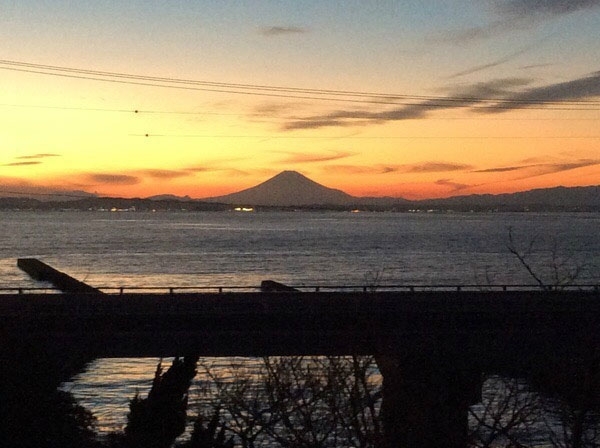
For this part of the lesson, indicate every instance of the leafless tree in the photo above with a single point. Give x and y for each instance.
(564, 269)
(299, 402)
(508, 416)
(568, 410)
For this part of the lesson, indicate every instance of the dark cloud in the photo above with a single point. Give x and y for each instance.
(511, 15)
(199, 169)
(460, 98)
(481, 67)
(538, 169)
(38, 156)
(361, 169)
(503, 169)
(318, 122)
(270, 31)
(557, 167)
(113, 179)
(309, 158)
(163, 174)
(487, 97)
(425, 167)
(495, 88)
(21, 163)
(473, 34)
(454, 186)
(574, 90)
(274, 109)
(551, 168)
(361, 117)
(214, 169)
(225, 170)
(541, 8)
(434, 167)
(532, 66)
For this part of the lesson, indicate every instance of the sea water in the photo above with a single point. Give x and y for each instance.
(118, 249)
(176, 249)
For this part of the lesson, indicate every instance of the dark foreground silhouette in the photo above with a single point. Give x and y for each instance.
(320, 402)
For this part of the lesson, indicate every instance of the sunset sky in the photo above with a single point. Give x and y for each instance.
(377, 98)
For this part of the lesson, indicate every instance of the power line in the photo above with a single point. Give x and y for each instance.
(127, 111)
(373, 137)
(292, 92)
(237, 114)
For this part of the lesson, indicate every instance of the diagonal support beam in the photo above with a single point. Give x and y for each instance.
(40, 271)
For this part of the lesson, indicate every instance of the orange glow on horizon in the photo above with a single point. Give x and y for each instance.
(137, 141)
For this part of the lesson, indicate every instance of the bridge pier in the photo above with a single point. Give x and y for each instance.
(426, 401)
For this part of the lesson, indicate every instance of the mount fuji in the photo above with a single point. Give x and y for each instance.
(287, 189)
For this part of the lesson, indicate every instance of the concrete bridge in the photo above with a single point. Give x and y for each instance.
(431, 346)
(474, 323)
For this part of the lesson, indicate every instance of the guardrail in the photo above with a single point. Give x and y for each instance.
(119, 290)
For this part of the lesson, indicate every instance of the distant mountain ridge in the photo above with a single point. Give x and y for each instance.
(290, 189)
(44, 194)
(555, 198)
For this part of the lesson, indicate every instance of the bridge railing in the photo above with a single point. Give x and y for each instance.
(119, 290)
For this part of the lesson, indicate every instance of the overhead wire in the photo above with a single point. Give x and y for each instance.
(291, 92)
(239, 114)
(371, 137)
(294, 93)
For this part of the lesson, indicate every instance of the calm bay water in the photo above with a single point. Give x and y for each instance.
(195, 249)
(130, 249)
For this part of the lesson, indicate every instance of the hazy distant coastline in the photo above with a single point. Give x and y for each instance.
(560, 199)
(290, 190)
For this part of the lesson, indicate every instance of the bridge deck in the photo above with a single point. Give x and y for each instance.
(259, 324)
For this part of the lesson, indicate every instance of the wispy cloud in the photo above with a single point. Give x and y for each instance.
(472, 34)
(502, 169)
(541, 8)
(424, 167)
(39, 156)
(559, 167)
(310, 158)
(22, 163)
(494, 96)
(511, 15)
(199, 169)
(577, 89)
(434, 167)
(481, 67)
(31, 159)
(162, 174)
(361, 169)
(271, 31)
(454, 186)
(460, 98)
(539, 169)
(130, 177)
(215, 169)
(533, 66)
(271, 109)
(112, 179)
